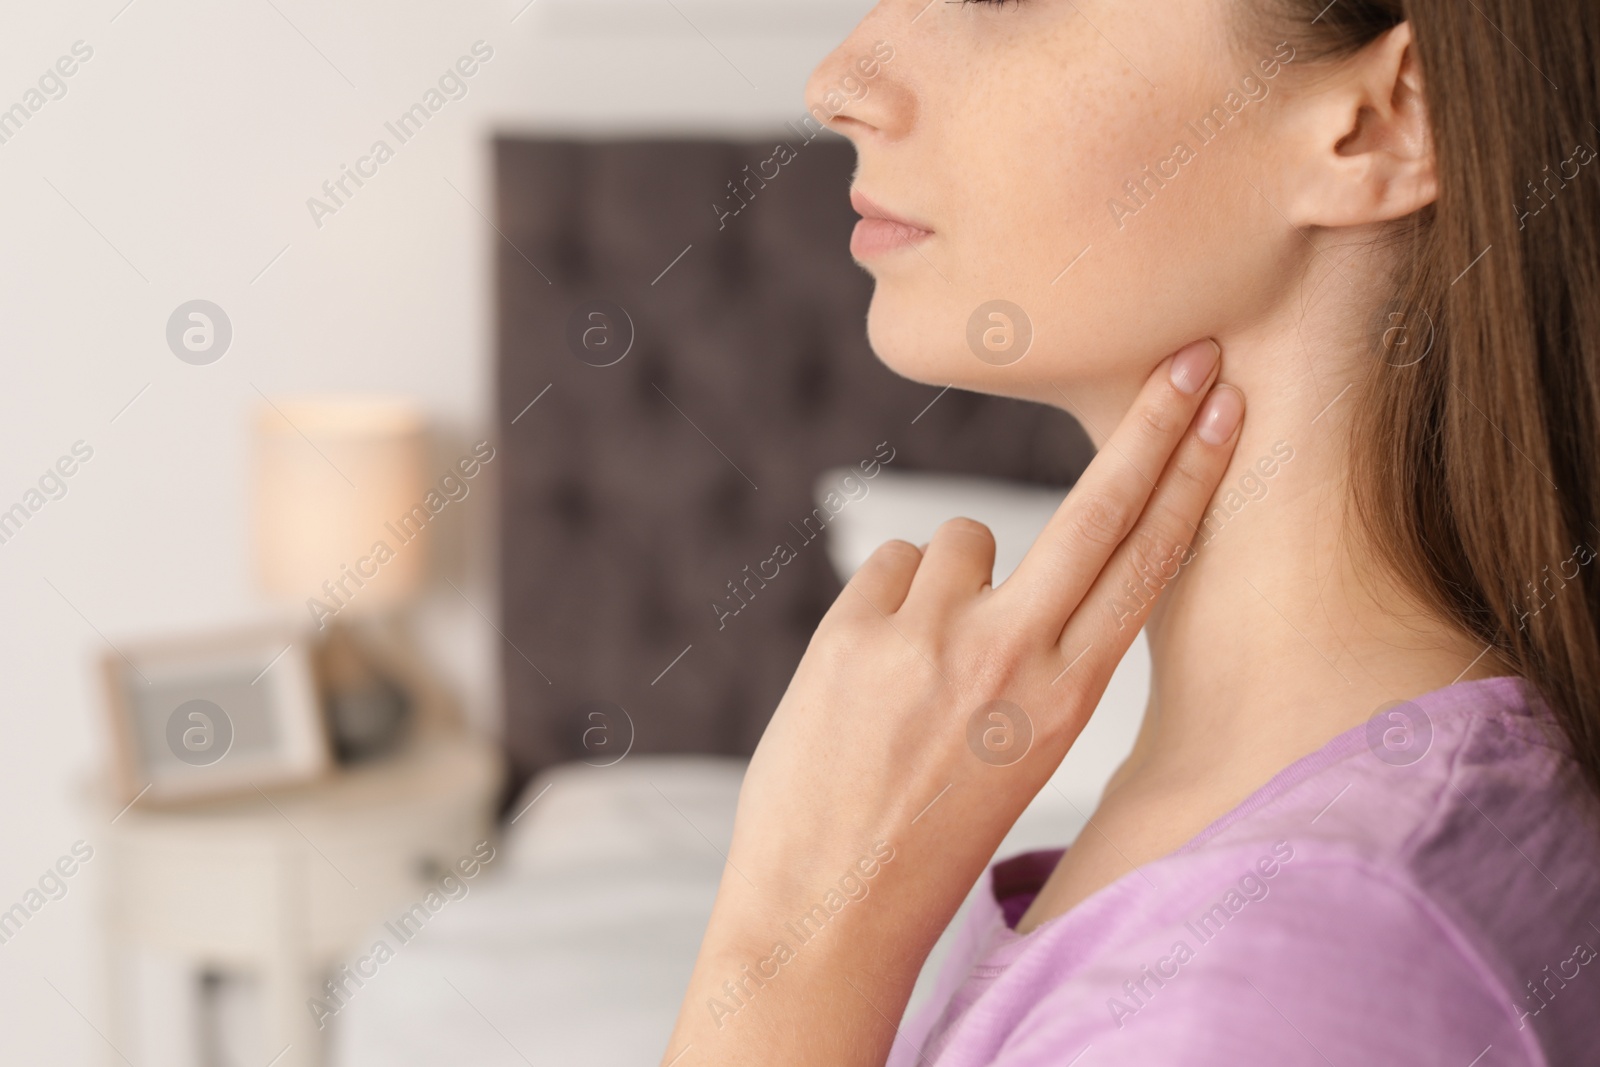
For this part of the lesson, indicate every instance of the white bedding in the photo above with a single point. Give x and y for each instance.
(575, 945)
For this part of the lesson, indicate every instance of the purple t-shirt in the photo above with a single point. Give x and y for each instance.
(1422, 890)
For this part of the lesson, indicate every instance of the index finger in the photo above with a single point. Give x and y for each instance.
(1102, 508)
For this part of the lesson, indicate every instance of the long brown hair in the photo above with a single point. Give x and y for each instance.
(1474, 470)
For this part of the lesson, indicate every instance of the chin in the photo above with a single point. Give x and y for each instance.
(927, 341)
(895, 340)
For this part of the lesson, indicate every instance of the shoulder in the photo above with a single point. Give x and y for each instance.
(1415, 895)
(1282, 954)
(1467, 800)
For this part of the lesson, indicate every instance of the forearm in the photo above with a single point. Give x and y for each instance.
(792, 992)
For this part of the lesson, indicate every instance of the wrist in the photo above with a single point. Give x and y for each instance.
(867, 919)
(836, 944)
(866, 895)
(756, 982)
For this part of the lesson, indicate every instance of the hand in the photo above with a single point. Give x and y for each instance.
(927, 711)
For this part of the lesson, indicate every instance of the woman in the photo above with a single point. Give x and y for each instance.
(1360, 822)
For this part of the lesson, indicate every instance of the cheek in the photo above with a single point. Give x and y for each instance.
(1022, 218)
(1029, 182)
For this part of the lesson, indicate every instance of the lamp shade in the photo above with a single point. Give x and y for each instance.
(334, 477)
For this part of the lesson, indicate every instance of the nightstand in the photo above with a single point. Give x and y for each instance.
(287, 884)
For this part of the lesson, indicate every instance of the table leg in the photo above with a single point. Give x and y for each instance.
(287, 974)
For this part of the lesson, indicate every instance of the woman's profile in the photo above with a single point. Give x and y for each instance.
(1320, 281)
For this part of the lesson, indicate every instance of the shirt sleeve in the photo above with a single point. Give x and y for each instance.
(1336, 965)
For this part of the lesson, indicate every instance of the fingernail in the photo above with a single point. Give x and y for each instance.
(1221, 415)
(1191, 367)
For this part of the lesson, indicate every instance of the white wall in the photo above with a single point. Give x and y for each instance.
(177, 166)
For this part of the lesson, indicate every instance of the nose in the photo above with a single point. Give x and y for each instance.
(860, 89)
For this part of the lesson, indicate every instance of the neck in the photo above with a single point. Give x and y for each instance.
(1281, 633)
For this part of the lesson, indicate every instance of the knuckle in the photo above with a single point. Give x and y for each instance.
(990, 676)
(1012, 642)
(828, 647)
(847, 611)
(965, 528)
(1099, 520)
(847, 652)
(992, 667)
(1144, 551)
(897, 552)
(1154, 555)
(1158, 420)
(1191, 473)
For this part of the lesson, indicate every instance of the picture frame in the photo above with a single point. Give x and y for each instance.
(206, 717)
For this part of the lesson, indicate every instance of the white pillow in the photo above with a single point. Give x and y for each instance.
(910, 505)
(641, 811)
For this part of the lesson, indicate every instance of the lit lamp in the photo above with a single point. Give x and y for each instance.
(338, 482)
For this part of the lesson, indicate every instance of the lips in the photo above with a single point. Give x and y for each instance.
(880, 231)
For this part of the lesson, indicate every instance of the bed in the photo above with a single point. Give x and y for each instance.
(634, 496)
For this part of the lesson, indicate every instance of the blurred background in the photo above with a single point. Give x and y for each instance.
(392, 538)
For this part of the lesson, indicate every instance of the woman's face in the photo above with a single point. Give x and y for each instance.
(1096, 174)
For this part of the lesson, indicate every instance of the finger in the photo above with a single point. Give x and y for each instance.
(879, 585)
(1162, 543)
(1105, 503)
(958, 562)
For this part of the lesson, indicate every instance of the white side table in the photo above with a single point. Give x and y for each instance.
(289, 883)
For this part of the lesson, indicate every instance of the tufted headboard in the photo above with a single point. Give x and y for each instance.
(635, 495)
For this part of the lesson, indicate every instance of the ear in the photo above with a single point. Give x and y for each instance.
(1365, 148)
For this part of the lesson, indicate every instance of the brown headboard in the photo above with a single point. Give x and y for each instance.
(632, 494)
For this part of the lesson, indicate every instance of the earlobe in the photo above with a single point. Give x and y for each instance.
(1368, 146)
